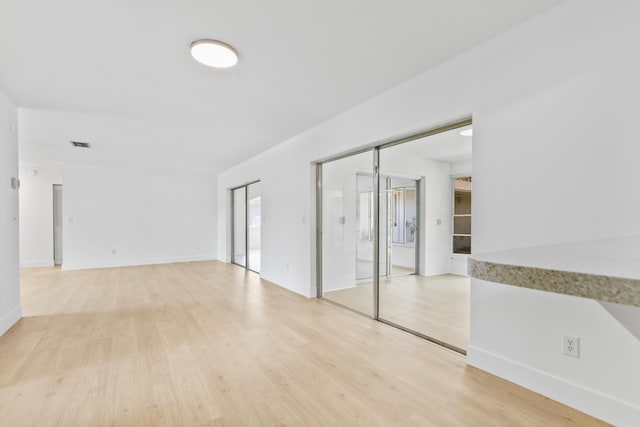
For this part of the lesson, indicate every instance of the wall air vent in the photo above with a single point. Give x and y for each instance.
(80, 144)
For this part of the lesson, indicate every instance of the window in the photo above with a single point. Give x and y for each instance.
(462, 215)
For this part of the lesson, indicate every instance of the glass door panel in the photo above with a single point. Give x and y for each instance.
(239, 249)
(348, 231)
(254, 225)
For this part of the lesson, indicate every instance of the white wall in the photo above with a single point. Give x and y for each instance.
(146, 216)
(149, 204)
(554, 104)
(10, 309)
(36, 212)
(462, 168)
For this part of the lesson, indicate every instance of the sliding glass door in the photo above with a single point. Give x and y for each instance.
(246, 204)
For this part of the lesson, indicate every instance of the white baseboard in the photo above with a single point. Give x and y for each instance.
(343, 288)
(599, 405)
(272, 280)
(36, 263)
(10, 319)
(112, 263)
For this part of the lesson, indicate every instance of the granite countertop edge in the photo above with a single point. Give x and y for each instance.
(587, 285)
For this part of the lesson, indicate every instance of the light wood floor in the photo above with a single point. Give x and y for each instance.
(436, 306)
(208, 344)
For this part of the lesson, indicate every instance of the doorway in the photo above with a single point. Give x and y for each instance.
(398, 226)
(57, 224)
(389, 234)
(246, 218)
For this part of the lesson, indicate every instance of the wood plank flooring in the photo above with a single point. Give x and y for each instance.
(208, 344)
(435, 306)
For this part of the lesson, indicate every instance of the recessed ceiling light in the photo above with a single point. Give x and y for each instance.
(467, 132)
(214, 53)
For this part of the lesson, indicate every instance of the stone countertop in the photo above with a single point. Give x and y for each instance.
(604, 270)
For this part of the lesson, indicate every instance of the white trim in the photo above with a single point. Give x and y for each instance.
(10, 319)
(350, 287)
(36, 263)
(592, 402)
(107, 263)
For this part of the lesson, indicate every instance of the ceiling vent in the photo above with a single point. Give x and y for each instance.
(80, 144)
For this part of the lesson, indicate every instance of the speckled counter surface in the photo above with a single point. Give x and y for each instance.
(605, 270)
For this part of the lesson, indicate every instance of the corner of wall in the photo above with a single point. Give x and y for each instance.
(10, 319)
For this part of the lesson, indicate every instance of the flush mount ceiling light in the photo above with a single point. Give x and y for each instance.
(467, 132)
(214, 53)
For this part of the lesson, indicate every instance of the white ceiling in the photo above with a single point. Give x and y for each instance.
(447, 146)
(301, 62)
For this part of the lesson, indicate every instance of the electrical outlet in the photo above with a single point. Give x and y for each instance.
(571, 346)
(113, 251)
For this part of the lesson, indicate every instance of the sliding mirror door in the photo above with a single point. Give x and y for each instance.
(347, 207)
(394, 244)
(425, 292)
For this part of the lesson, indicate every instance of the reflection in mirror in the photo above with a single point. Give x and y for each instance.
(462, 215)
(430, 228)
(348, 232)
(424, 234)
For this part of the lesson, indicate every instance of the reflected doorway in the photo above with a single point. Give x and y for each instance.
(399, 223)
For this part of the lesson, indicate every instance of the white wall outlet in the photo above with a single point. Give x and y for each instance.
(571, 346)
(113, 251)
